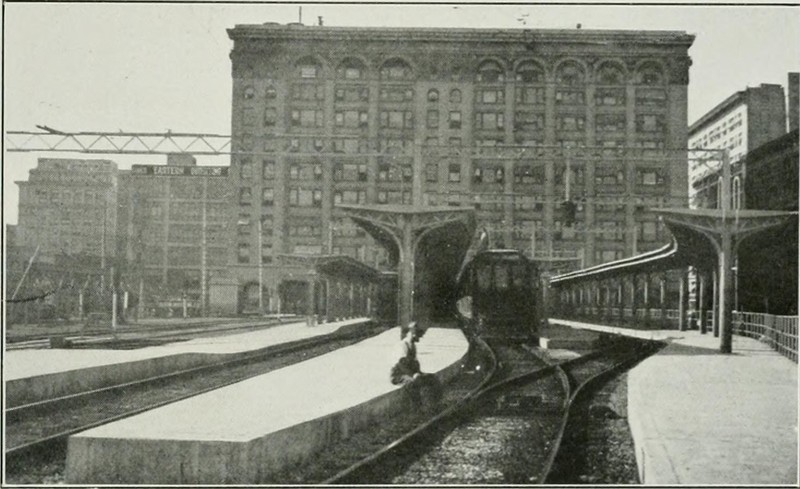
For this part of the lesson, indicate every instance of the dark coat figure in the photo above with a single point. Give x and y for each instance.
(424, 389)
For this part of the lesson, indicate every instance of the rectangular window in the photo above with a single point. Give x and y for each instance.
(433, 119)
(528, 121)
(246, 169)
(396, 94)
(351, 118)
(653, 97)
(571, 123)
(268, 169)
(308, 92)
(431, 172)
(454, 172)
(270, 116)
(609, 96)
(308, 71)
(610, 122)
(649, 122)
(489, 120)
(609, 176)
(491, 96)
(649, 231)
(394, 119)
(570, 97)
(245, 196)
(267, 196)
(243, 253)
(455, 119)
(529, 95)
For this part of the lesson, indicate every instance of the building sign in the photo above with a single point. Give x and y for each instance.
(179, 171)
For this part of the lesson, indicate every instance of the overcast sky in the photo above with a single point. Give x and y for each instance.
(149, 68)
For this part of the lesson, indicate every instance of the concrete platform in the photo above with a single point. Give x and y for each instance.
(240, 433)
(702, 417)
(35, 375)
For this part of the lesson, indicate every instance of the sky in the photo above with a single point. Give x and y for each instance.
(157, 67)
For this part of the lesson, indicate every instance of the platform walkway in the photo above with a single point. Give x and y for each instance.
(240, 433)
(34, 375)
(698, 416)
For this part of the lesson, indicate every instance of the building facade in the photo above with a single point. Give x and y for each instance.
(744, 121)
(177, 229)
(512, 122)
(69, 207)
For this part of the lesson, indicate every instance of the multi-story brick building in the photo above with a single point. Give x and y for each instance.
(509, 121)
(744, 121)
(177, 228)
(69, 207)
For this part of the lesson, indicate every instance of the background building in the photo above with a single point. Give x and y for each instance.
(512, 122)
(69, 207)
(744, 121)
(177, 231)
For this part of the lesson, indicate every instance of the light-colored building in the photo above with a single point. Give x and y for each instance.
(69, 207)
(744, 121)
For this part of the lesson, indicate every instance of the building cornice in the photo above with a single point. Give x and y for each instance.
(295, 32)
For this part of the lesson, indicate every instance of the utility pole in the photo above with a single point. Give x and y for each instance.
(113, 304)
(726, 261)
(260, 269)
(204, 252)
(25, 273)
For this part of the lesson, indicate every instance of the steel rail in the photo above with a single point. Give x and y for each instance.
(490, 385)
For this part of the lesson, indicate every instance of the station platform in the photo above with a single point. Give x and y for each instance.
(240, 433)
(698, 416)
(36, 375)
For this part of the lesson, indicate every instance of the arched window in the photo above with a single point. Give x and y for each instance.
(455, 96)
(610, 74)
(570, 73)
(649, 74)
(396, 69)
(351, 69)
(433, 95)
(490, 72)
(530, 72)
(249, 92)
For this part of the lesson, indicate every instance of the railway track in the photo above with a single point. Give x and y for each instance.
(36, 434)
(507, 429)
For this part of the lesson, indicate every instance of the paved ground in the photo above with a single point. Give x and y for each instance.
(29, 363)
(702, 417)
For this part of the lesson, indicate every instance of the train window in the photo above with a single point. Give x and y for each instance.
(484, 278)
(518, 277)
(501, 279)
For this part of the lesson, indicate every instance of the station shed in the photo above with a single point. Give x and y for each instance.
(327, 287)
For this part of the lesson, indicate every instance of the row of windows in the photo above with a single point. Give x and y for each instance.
(523, 95)
(353, 172)
(483, 120)
(568, 72)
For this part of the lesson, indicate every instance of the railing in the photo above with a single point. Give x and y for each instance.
(780, 332)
